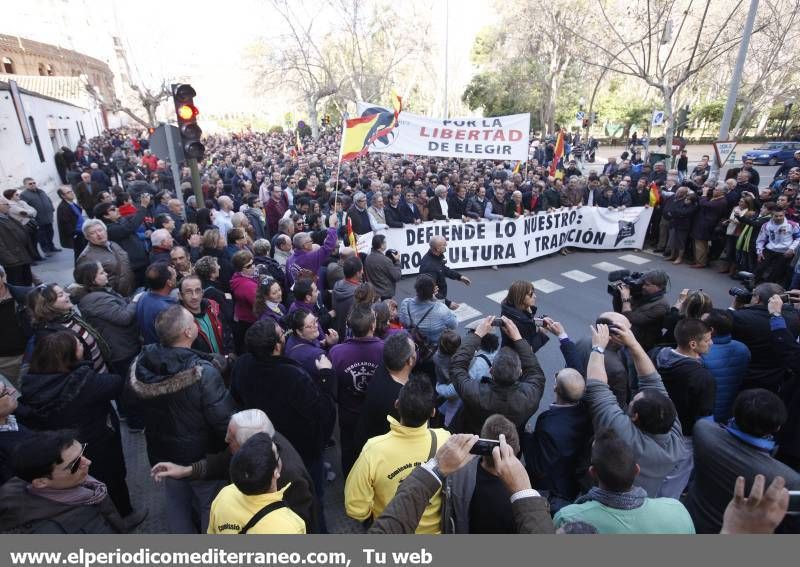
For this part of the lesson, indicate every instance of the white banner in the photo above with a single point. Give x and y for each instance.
(513, 241)
(499, 138)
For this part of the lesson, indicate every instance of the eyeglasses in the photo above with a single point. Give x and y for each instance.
(249, 265)
(75, 465)
(7, 392)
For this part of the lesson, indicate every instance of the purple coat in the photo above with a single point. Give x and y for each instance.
(311, 261)
(270, 314)
(304, 352)
(355, 361)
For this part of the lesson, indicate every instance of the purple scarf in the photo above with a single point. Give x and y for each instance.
(90, 492)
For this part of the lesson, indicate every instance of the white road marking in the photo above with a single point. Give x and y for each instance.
(578, 276)
(607, 267)
(466, 312)
(633, 259)
(546, 286)
(498, 296)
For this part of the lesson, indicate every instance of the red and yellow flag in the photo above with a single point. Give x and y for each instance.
(352, 241)
(298, 142)
(558, 152)
(516, 168)
(655, 194)
(360, 132)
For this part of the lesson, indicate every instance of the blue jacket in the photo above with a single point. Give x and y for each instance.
(147, 310)
(727, 361)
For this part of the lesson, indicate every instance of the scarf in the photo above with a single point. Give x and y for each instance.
(630, 500)
(766, 444)
(90, 492)
(275, 307)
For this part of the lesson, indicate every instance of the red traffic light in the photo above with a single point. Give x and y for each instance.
(187, 111)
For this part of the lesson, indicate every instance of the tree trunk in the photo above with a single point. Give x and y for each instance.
(762, 123)
(666, 92)
(744, 119)
(313, 117)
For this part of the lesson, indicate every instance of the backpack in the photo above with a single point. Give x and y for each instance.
(425, 349)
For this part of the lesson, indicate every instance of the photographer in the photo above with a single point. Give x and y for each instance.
(751, 325)
(643, 303)
(381, 268)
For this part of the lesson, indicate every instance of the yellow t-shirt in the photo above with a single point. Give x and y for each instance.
(231, 510)
(384, 462)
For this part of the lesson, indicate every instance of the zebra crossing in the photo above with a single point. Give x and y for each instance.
(545, 286)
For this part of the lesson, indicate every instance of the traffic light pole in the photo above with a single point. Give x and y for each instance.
(198, 191)
(733, 89)
(173, 161)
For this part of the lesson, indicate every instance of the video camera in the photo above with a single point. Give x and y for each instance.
(634, 281)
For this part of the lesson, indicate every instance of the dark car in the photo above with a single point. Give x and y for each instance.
(772, 153)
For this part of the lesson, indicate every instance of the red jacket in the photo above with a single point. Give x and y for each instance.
(150, 161)
(243, 289)
(202, 343)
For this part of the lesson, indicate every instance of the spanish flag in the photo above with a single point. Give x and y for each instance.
(352, 241)
(655, 194)
(360, 132)
(516, 169)
(558, 152)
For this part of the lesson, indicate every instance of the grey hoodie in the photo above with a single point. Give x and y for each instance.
(343, 292)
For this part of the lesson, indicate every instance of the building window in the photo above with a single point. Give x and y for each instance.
(41, 70)
(8, 66)
(36, 138)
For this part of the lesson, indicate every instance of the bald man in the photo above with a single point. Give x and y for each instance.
(557, 454)
(434, 264)
(576, 355)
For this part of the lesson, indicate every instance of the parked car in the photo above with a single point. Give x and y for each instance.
(772, 153)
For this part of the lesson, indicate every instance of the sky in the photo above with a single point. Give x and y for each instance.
(206, 43)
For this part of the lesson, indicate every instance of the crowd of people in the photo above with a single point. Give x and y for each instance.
(242, 335)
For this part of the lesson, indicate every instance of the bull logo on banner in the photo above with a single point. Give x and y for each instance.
(626, 230)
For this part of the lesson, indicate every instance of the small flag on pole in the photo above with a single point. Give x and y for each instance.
(655, 194)
(558, 153)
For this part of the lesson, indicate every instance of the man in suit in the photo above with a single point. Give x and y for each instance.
(87, 193)
(70, 219)
(409, 212)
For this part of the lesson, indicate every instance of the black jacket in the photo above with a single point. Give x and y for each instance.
(436, 267)
(80, 400)
(67, 224)
(394, 216)
(407, 215)
(526, 325)
(751, 326)
(789, 351)
(299, 407)
(225, 267)
(690, 386)
(184, 401)
(517, 401)
(24, 513)
(647, 319)
(123, 232)
(557, 453)
(379, 402)
(435, 209)
(359, 220)
(8, 443)
(15, 245)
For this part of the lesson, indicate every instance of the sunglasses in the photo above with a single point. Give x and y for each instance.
(75, 465)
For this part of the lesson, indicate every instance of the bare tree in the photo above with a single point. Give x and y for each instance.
(149, 99)
(665, 43)
(377, 45)
(297, 60)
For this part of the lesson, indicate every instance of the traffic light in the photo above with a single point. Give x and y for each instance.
(183, 96)
(594, 118)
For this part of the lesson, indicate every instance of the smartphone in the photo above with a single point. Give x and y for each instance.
(794, 500)
(538, 321)
(484, 446)
(498, 322)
